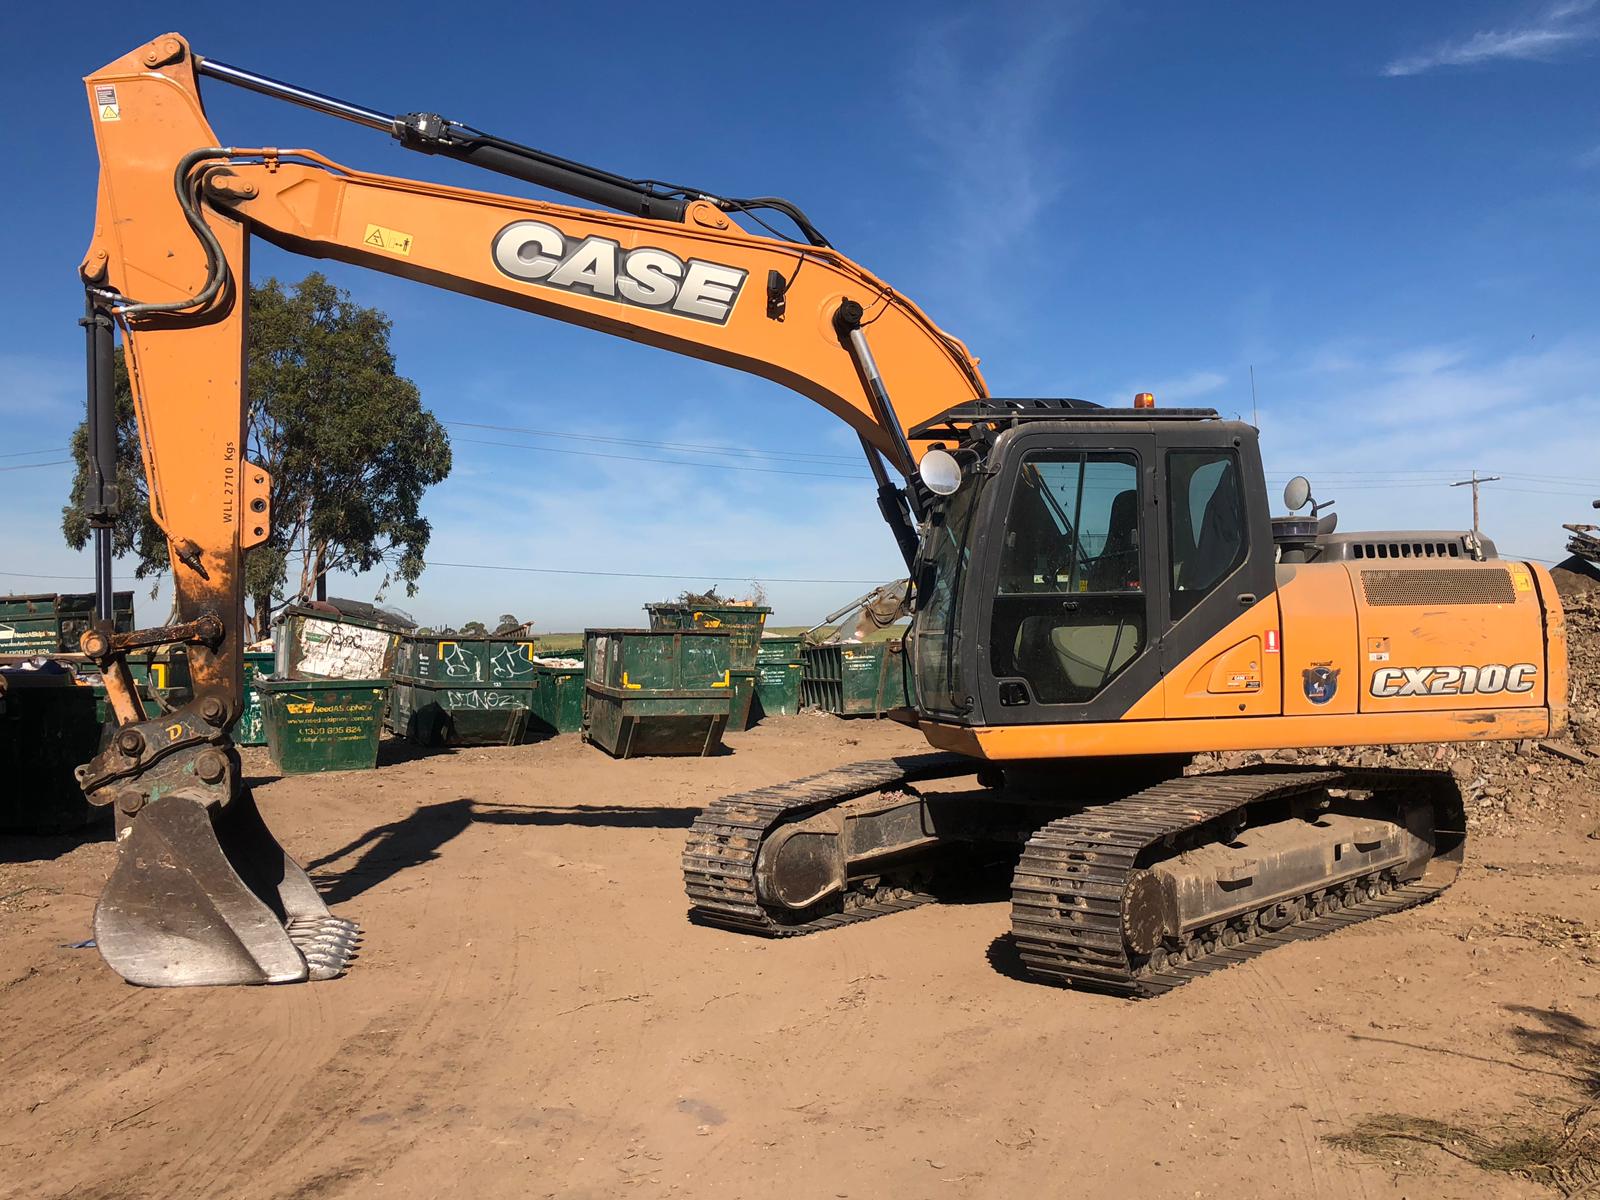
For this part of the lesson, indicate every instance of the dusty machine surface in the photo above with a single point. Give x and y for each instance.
(1097, 593)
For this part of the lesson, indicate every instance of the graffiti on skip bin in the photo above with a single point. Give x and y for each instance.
(337, 651)
(513, 661)
(484, 698)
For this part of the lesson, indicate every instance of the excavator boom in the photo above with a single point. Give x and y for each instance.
(169, 264)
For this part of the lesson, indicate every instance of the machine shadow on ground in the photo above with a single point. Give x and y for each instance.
(29, 847)
(387, 850)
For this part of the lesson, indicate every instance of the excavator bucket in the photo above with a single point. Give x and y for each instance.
(203, 894)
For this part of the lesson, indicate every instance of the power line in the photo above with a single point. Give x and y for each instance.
(664, 461)
(33, 466)
(686, 447)
(647, 575)
(26, 453)
(1379, 486)
(737, 577)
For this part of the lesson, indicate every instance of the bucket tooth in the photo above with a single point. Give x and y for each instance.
(204, 895)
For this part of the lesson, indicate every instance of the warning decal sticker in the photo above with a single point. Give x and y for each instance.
(105, 102)
(392, 240)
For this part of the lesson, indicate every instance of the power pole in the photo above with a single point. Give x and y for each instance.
(1473, 483)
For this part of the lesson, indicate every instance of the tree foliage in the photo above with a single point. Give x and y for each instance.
(348, 445)
(347, 442)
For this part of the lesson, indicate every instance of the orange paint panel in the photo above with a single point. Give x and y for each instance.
(1470, 636)
(1319, 638)
(1557, 687)
(1231, 675)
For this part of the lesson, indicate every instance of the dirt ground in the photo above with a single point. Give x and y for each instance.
(533, 1016)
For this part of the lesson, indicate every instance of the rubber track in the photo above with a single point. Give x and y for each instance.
(1068, 888)
(719, 861)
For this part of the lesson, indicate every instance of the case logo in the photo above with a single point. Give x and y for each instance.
(1321, 682)
(1454, 681)
(645, 277)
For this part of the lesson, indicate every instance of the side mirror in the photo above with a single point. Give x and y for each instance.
(1296, 493)
(940, 472)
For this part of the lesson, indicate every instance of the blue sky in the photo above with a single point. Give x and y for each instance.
(1389, 211)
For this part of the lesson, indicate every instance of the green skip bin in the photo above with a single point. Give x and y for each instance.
(742, 623)
(323, 724)
(469, 714)
(48, 726)
(458, 661)
(656, 692)
(251, 728)
(857, 679)
(557, 698)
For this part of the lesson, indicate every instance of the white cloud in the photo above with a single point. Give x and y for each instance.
(1558, 29)
(976, 85)
(1386, 436)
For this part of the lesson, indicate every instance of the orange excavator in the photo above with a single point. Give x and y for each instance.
(1099, 594)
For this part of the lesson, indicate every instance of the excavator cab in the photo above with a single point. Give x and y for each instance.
(1085, 551)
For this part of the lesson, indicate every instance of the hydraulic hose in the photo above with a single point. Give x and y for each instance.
(216, 265)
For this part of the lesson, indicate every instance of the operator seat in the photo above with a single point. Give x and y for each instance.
(1221, 536)
(1091, 650)
(1070, 654)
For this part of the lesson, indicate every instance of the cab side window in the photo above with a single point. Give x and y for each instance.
(1210, 537)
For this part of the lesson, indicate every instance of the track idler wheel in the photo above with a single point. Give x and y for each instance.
(203, 894)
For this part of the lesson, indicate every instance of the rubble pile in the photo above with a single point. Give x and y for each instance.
(1499, 780)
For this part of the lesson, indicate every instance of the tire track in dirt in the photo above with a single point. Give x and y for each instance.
(325, 1092)
(303, 1070)
(1278, 1029)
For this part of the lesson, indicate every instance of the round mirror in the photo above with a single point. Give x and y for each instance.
(1296, 492)
(940, 472)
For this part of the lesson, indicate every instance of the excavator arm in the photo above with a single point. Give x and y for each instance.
(201, 892)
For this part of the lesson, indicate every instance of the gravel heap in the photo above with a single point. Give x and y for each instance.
(1499, 780)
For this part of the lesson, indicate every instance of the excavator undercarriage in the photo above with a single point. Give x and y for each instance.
(1133, 894)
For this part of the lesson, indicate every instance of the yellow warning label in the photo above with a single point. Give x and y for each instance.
(105, 102)
(110, 112)
(1522, 580)
(392, 240)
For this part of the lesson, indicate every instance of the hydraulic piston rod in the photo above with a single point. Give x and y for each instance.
(433, 134)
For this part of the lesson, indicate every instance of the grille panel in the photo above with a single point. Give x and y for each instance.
(1425, 586)
(1405, 550)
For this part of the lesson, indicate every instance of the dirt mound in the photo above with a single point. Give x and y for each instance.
(1576, 577)
(1500, 780)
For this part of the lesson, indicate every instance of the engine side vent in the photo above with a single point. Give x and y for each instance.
(1405, 550)
(1424, 586)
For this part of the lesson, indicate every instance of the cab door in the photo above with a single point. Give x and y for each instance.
(1220, 635)
(1068, 624)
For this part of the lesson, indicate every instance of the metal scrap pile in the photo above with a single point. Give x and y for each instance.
(1584, 542)
(1499, 780)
